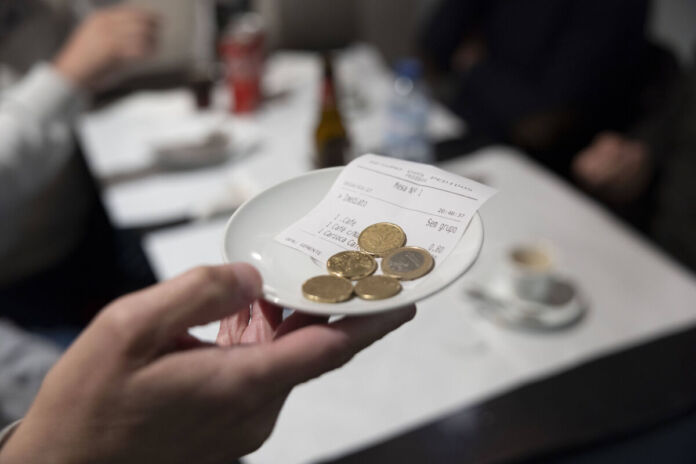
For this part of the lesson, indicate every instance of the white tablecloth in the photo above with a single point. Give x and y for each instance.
(450, 357)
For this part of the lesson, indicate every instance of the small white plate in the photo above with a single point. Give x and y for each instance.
(249, 237)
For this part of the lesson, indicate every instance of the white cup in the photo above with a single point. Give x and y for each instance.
(529, 270)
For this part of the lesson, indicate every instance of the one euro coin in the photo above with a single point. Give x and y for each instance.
(407, 263)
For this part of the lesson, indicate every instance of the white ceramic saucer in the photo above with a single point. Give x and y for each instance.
(249, 237)
(497, 301)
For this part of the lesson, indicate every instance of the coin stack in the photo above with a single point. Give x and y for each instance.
(399, 262)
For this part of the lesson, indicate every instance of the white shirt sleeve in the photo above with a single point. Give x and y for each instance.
(36, 116)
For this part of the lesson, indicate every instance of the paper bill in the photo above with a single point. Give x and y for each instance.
(432, 206)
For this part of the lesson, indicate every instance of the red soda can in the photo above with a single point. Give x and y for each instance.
(242, 51)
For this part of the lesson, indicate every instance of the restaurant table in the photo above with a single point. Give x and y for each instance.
(453, 386)
(267, 146)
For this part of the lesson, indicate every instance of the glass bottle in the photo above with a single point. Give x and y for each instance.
(330, 137)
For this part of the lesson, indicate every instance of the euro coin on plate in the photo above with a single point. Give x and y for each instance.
(407, 263)
(327, 289)
(353, 265)
(379, 238)
(377, 287)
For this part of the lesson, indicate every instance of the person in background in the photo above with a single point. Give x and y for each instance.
(136, 387)
(55, 260)
(57, 264)
(642, 171)
(627, 169)
(544, 75)
(674, 224)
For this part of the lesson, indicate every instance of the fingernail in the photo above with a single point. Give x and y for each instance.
(248, 279)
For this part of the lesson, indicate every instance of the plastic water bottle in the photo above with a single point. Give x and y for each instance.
(407, 115)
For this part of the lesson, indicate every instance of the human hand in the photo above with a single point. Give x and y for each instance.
(614, 167)
(135, 387)
(470, 52)
(106, 41)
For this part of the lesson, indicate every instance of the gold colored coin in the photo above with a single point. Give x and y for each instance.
(407, 263)
(327, 289)
(380, 238)
(377, 287)
(353, 265)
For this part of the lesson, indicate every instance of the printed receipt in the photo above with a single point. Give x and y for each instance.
(432, 206)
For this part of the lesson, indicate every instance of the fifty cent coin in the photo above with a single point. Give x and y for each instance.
(407, 263)
(379, 238)
(377, 287)
(353, 265)
(327, 289)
